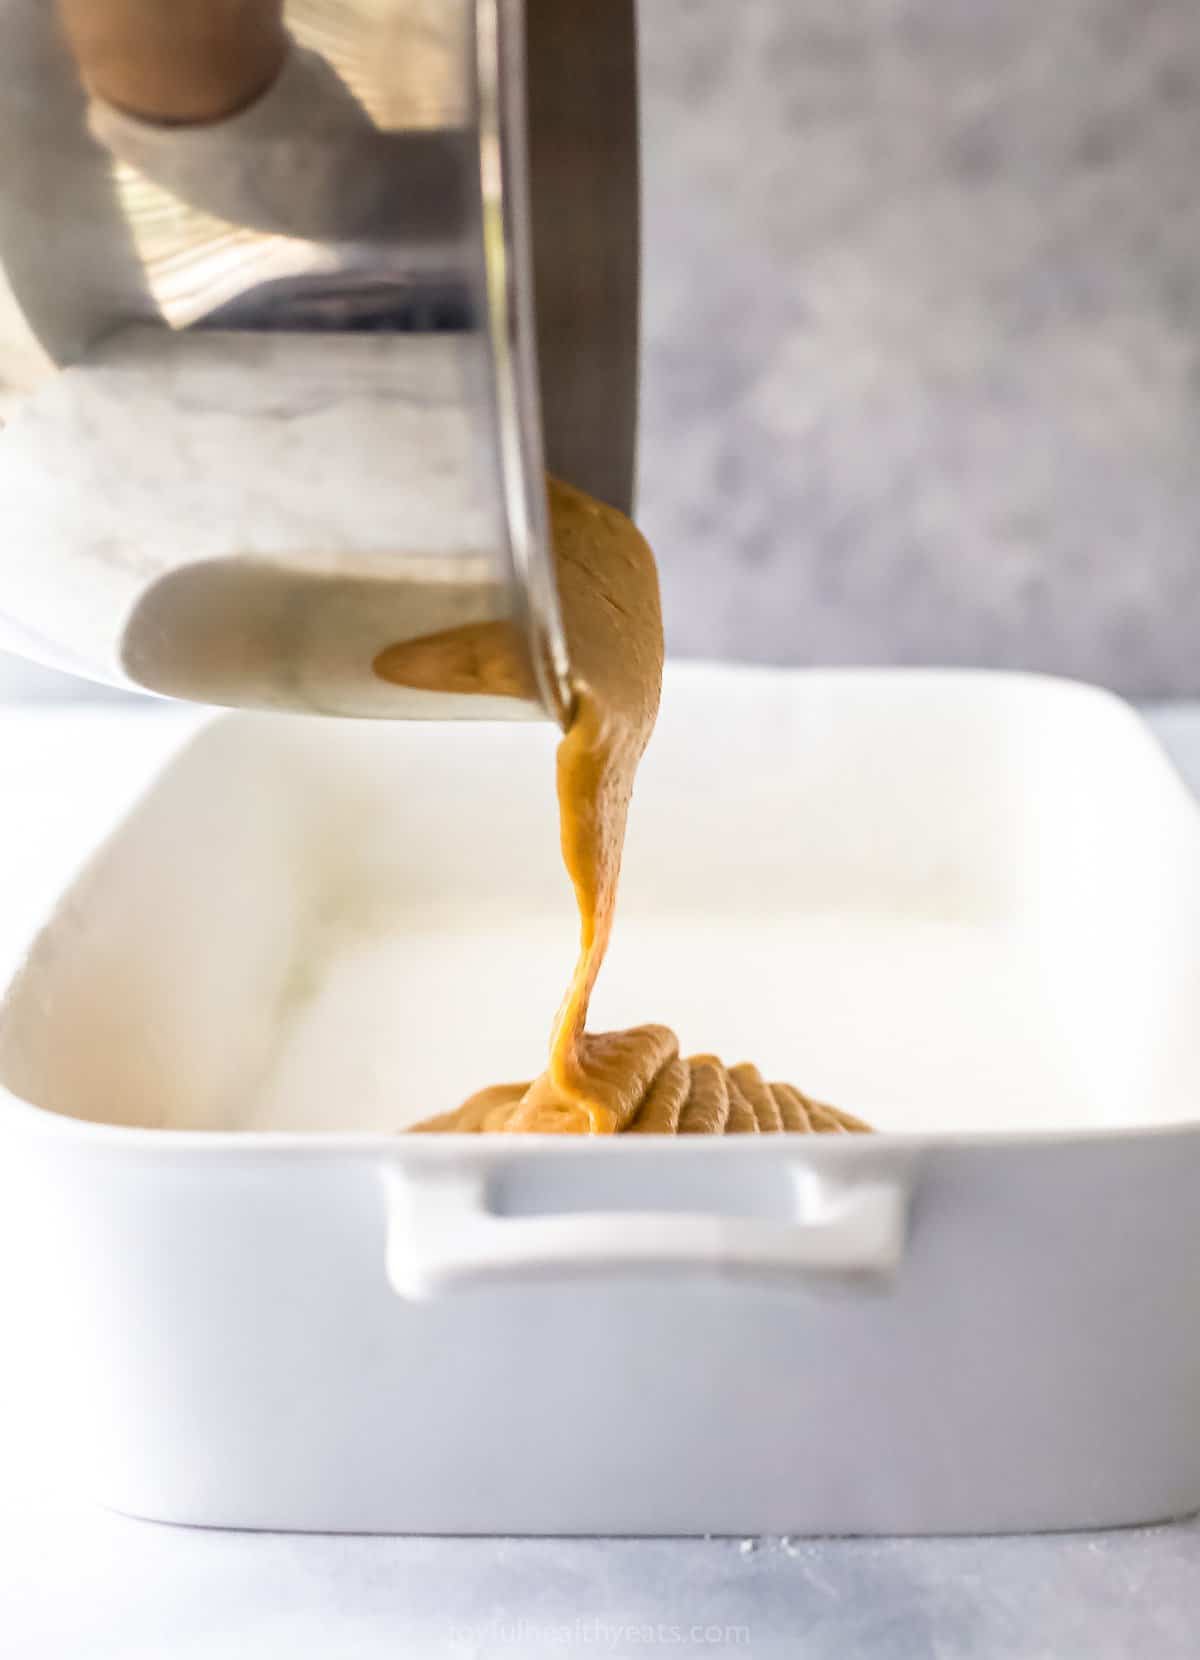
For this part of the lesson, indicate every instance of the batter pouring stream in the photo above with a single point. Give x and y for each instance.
(611, 1081)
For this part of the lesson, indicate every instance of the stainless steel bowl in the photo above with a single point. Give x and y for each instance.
(281, 390)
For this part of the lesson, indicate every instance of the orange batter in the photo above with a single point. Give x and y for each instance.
(611, 1081)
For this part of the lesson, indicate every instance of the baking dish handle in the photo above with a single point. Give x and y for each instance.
(442, 1235)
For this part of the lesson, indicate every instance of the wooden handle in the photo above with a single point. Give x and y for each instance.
(179, 62)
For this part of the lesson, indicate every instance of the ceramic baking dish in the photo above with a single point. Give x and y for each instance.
(966, 906)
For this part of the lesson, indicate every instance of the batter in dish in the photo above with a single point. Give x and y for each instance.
(599, 1083)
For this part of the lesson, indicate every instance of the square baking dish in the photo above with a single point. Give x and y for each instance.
(965, 906)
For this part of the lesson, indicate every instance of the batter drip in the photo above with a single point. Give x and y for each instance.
(604, 1082)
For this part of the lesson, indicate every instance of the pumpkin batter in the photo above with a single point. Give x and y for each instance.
(611, 1081)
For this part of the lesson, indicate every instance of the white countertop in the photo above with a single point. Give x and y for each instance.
(76, 1581)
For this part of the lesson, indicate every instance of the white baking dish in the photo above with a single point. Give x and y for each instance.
(965, 906)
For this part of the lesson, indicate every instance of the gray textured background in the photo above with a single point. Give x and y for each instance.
(923, 332)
